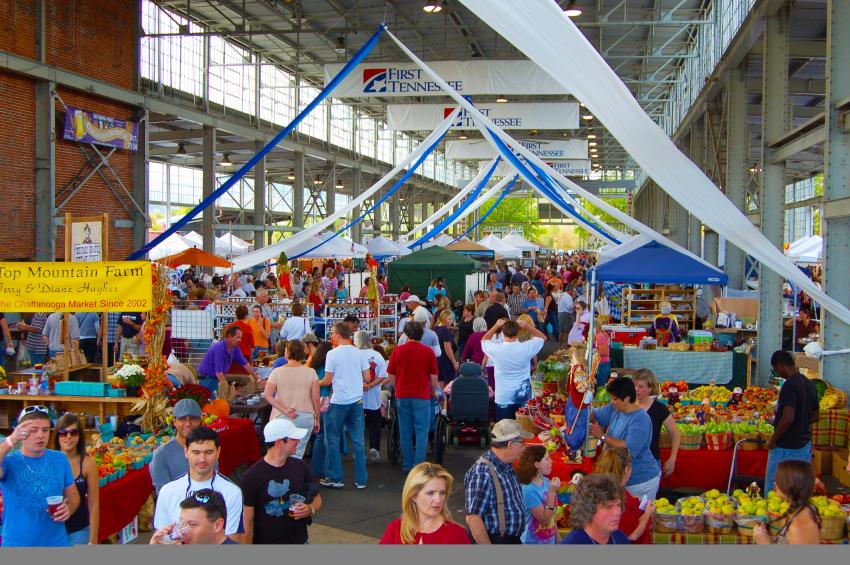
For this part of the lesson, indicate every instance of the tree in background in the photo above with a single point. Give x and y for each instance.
(519, 210)
(620, 204)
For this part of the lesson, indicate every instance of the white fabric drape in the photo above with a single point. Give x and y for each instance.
(541, 30)
(285, 245)
(476, 180)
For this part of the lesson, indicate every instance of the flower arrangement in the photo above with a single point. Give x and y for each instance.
(132, 375)
(198, 393)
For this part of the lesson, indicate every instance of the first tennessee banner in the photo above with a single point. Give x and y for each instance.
(115, 286)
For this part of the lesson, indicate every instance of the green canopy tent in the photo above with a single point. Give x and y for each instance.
(419, 268)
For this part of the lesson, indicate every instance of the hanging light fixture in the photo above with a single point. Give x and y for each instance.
(291, 175)
(591, 136)
(501, 99)
(339, 185)
(592, 144)
(432, 6)
(181, 149)
(461, 137)
(572, 10)
(339, 46)
(318, 180)
(226, 161)
(587, 117)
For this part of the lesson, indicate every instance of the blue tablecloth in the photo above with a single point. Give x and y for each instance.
(694, 367)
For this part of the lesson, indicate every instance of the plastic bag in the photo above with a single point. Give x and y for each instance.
(23, 356)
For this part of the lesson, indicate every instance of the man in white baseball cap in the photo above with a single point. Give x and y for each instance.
(418, 313)
(280, 493)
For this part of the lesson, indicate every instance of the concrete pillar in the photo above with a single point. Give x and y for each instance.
(657, 206)
(737, 159)
(775, 121)
(836, 334)
(395, 216)
(208, 168)
(697, 154)
(259, 198)
(711, 247)
(298, 192)
(356, 229)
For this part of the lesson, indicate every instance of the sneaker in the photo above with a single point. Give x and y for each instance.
(330, 484)
(374, 455)
(361, 487)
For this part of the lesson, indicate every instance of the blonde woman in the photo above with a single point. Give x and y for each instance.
(425, 515)
(646, 387)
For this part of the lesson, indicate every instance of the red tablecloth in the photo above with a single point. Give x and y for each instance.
(705, 469)
(702, 469)
(121, 500)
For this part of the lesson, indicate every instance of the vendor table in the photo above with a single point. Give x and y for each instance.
(121, 500)
(705, 469)
(711, 539)
(692, 366)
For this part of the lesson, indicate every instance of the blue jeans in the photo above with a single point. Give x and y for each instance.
(209, 382)
(337, 418)
(603, 372)
(506, 411)
(414, 421)
(318, 463)
(80, 537)
(37, 358)
(780, 454)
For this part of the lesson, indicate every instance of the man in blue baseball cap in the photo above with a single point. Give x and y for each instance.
(169, 460)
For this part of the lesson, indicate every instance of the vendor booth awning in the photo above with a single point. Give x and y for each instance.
(808, 251)
(418, 269)
(175, 243)
(644, 260)
(471, 249)
(515, 240)
(194, 256)
(501, 248)
(384, 247)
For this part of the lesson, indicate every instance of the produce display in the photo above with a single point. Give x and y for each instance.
(713, 393)
(115, 456)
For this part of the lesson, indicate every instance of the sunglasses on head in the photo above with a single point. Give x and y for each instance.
(204, 498)
(34, 408)
(71, 433)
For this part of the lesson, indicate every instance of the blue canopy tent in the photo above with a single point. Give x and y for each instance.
(644, 260)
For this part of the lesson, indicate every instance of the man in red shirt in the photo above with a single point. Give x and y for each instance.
(413, 373)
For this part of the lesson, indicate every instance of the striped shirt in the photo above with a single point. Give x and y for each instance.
(34, 342)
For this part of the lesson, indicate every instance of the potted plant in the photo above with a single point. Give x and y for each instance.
(133, 377)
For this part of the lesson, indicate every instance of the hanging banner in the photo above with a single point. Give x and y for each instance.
(480, 150)
(116, 286)
(568, 168)
(467, 77)
(101, 130)
(426, 117)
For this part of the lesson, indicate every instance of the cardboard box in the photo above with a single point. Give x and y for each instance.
(839, 467)
(803, 361)
(822, 461)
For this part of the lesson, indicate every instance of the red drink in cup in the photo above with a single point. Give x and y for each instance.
(53, 504)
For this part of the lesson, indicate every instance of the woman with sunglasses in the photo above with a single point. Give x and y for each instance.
(70, 439)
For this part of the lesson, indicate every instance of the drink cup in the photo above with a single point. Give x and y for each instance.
(295, 500)
(53, 503)
(176, 535)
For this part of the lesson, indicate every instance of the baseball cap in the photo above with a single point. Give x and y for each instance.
(414, 298)
(421, 315)
(507, 430)
(310, 338)
(281, 428)
(187, 407)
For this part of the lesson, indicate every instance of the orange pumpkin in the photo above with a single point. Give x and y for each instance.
(218, 407)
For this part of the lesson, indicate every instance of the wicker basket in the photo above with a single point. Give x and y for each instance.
(668, 523)
(719, 523)
(736, 437)
(701, 347)
(719, 442)
(777, 521)
(665, 440)
(693, 523)
(747, 523)
(832, 528)
(691, 442)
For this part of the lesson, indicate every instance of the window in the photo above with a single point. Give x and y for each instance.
(386, 143)
(277, 95)
(315, 123)
(231, 76)
(366, 135)
(342, 125)
(175, 61)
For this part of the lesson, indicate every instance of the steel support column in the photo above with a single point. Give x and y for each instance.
(395, 216)
(208, 168)
(298, 192)
(775, 121)
(737, 159)
(259, 198)
(45, 159)
(836, 334)
(697, 154)
(711, 251)
(330, 192)
(141, 220)
(356, 229)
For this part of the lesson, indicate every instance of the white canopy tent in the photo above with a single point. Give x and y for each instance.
(195, 237)
(515, 240)
(357, 250)
(229, 244)
(385, 247)
(442, 240)
(809, 251)
(174, 243)
(501, 248)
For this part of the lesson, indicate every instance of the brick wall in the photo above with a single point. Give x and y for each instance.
(94, 38)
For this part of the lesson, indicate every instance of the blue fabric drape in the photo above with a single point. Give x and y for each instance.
(464, 205)
(542, 187)
(357, 59)
(381, 200)
(505, 192)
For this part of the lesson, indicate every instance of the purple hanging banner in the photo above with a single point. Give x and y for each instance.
(87, 127)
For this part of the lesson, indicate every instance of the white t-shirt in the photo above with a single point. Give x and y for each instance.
(565, 304)
(511, 362)
(173, 493)
(347, 365)
(295, 327)
(372, 397)
(602, 307)
(239, 293)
